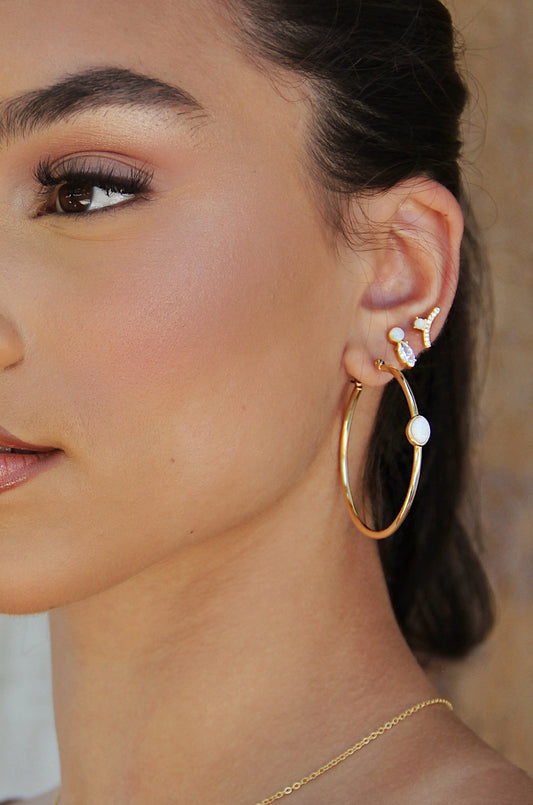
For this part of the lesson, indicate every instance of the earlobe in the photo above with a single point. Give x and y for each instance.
(411, 286)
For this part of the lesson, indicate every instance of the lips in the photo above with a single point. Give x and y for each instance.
(20, 461)
(7, 440)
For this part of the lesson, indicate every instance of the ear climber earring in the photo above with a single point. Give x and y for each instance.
(425, 326)
(404, 351)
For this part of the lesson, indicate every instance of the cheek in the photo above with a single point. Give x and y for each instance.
(192, 296)
(186, 353)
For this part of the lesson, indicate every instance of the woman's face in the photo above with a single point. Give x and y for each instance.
(169, 305)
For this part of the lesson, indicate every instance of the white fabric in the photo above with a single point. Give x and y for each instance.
(29, 761)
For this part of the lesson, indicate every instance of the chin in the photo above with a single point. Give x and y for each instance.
(31, 593)
(23, 605)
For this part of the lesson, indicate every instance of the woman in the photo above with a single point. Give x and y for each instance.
(215, 217)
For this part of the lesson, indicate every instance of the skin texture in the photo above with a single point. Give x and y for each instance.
(219, 627)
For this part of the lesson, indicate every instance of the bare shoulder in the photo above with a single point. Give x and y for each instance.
(499, 783)
(452, 765)
(475, 774)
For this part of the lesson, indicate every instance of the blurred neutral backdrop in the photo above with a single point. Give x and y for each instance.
(493, 689)
(28, 751)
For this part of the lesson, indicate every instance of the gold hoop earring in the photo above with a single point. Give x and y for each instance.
(418, 431)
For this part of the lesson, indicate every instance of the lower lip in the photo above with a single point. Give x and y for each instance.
(16, 468)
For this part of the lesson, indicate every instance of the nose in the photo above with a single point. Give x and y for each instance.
(11, 343)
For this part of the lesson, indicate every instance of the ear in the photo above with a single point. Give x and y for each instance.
(411, 268)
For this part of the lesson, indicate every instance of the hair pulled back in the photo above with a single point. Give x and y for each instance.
(387, 99)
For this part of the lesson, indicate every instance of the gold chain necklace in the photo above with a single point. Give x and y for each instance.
(290, 789)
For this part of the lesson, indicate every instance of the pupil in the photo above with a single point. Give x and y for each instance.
(74, 199)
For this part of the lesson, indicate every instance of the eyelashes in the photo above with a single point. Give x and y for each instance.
(85, 186)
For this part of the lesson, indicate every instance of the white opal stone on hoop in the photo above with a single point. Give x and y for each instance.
(404, 351)
(418, 430)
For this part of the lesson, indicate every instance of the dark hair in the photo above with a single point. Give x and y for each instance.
(387, 99)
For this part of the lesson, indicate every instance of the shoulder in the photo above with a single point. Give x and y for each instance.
(472, 784)
(483, 778)
(474, 774)
(497, 784)
(455, 766)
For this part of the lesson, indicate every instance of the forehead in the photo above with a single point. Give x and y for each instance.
(187, 40)
(186, 43)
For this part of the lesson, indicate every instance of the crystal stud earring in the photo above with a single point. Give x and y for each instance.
(404, 351)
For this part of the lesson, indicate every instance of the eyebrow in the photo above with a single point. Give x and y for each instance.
(91, 89)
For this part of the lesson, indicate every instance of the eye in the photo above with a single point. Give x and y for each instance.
(87, 197)
(84, 186)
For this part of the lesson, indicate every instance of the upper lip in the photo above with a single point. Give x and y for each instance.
(8, 440)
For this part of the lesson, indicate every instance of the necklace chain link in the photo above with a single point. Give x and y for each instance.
(291, 789)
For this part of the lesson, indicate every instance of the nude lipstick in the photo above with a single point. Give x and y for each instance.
(20, 461)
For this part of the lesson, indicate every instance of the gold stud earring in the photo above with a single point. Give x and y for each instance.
(404, 351)
(425, 326)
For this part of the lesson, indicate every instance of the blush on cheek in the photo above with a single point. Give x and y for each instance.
(189, 347)
(197, 293)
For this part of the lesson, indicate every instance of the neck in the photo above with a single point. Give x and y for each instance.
(217, 667)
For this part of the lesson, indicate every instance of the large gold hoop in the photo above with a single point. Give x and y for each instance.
(417, 431)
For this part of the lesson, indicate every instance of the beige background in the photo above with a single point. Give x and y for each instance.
(493, 690)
